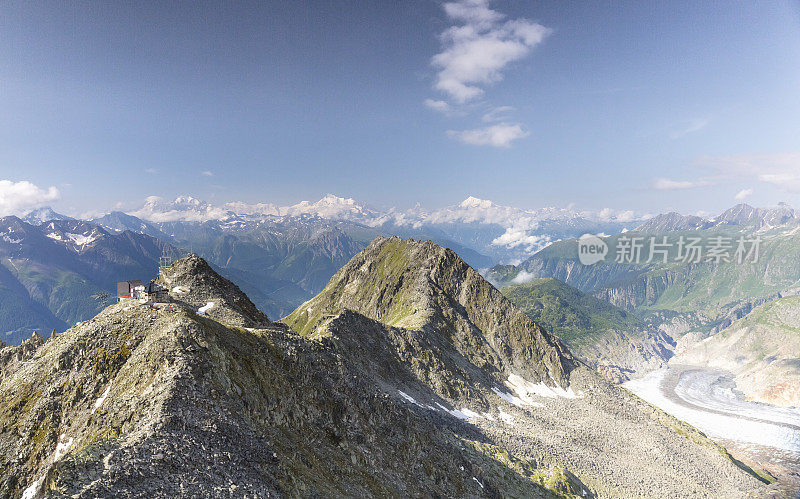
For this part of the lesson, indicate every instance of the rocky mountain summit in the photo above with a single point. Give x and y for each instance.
(191, 281)
(436, 386)
(422, 286)
(435, 331)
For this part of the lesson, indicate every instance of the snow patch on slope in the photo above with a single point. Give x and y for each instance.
(62, 447)
(81, 240)
(33, 489)
(525, 389)
(205, 308)
(102, 399)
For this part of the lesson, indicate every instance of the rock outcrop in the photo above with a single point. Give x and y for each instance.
(12, 357)
(421, 286)
(191, 281)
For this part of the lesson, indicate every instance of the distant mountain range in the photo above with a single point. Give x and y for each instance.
(688, 301)
(281, 256)
(740, 215)
(50, 272)
(503, 233)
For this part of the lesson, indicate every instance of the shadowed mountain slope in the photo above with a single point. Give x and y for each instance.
(419, 285)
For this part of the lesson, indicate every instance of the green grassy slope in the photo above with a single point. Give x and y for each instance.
(573, 316)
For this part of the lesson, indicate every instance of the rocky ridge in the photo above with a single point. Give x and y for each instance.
(386, 304)
(192, 282)
(421, 286)
(164, 401)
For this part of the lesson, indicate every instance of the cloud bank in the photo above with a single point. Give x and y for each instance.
(17, 198)
(665, 184)
(501, 135)
(477, 49)
(781, 170)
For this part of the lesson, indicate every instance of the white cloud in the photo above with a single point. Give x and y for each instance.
(242, 208)
(518, 236)
(17, 198)
(500, 135)
(626, 216)
(606, 214)
(522, 277)
(437, 105)
(693, 127)
(665, 184)
(789, 180)
(207, 173)
(479, 47)
(620, 216)
(781, 170)
(499, 113)
(150, 170)
(743, 194)
(475, 12)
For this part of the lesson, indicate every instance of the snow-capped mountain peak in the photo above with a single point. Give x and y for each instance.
(330, 206)
(42, 215)
(183, 208)
(473, 202)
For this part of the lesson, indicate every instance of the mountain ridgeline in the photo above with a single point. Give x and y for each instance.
(422, 286)
(408, 375)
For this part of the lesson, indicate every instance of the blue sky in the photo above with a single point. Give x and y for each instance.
(649, 106)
